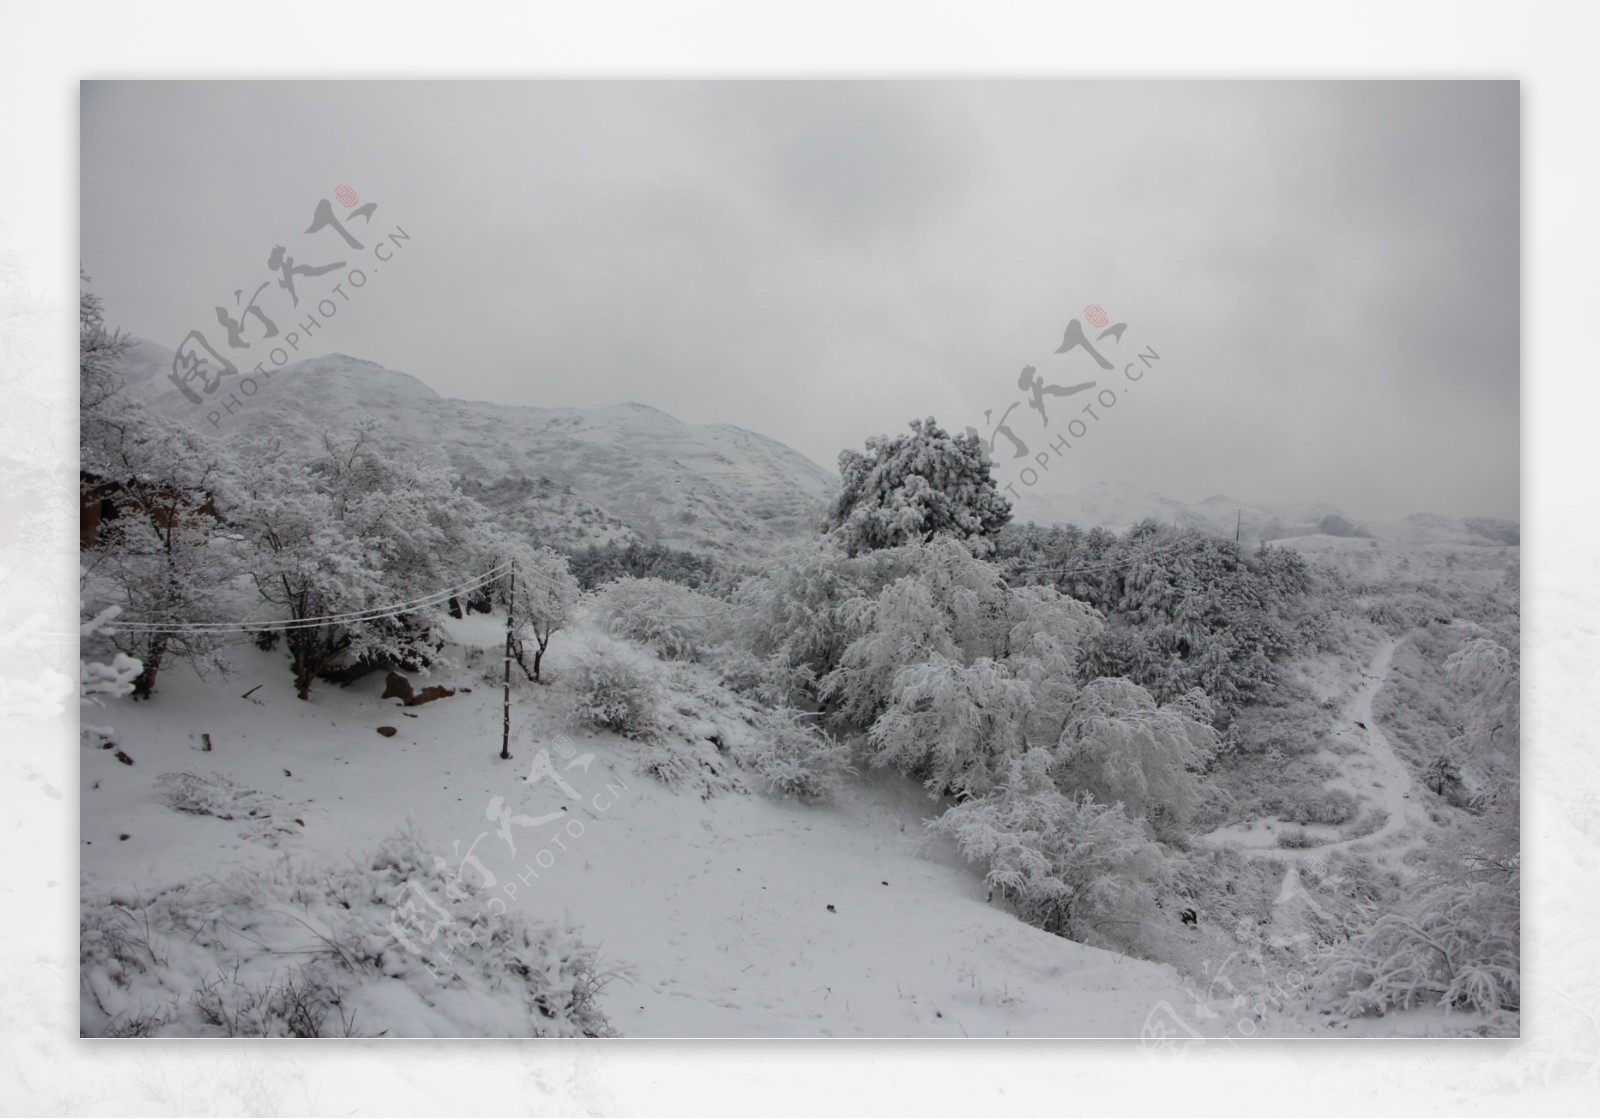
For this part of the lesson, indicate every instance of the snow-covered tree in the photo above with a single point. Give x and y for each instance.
(904, 625)
(794, 609)
(99, 680)
(355, 530)
(911, 488)
(948, 602)
(546, 598)
(155, 556)
(955, 726)
(1069, 864)
(1122, 748)
(1048, 635)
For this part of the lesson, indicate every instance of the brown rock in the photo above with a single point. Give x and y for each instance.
(388, 732)
(429, 694)
(397, 687)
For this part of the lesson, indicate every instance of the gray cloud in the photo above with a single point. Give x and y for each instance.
(1329, 270)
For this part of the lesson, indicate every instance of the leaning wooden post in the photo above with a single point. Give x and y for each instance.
(511, 611)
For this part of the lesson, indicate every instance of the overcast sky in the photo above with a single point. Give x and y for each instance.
(1328, 271)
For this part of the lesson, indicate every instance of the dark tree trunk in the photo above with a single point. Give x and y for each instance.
(154, 653)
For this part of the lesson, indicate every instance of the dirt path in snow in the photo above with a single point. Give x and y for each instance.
(1376, 776)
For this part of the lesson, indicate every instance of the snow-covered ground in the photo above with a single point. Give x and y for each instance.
(738, 915)
(1373, 773)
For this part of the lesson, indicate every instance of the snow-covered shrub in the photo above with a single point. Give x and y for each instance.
(676, 622)
(1398, 613)
(1456, 946)
(1119, 746)
(1070, 865)
(697, 730)
(1487, 674)
(214, 795)
(902, 626)
(613, 687)
(795, 757)
(794, 607)
(772, 680)
(393, 944)
(98, 680)
(101, 680)
(267, 818)
(955, 726)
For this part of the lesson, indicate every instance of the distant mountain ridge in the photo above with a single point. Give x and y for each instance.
(1117, 506)
(566, 476)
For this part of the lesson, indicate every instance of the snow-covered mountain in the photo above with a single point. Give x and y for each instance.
(1118, 506)
(567, 476)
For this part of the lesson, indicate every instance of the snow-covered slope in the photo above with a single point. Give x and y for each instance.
(566, 475)
(739, 915)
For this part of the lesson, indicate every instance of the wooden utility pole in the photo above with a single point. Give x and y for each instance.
(1238, 524)
(511, 612)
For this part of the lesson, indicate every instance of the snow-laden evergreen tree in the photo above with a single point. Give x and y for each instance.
(911, 488)
(1069, 864)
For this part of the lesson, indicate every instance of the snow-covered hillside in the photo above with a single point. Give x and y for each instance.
(569, 476)
(738, 915)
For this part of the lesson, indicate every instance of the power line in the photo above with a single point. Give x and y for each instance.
(369, 614)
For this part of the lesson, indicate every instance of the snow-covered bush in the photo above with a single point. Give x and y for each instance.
(391, 945)
(795, 757)
(1119, 746)
(954, 726)
(266, 818)
(213, 795)
(613, 687)
(793, 609)
(676, 622)
(1070, 865)
(772, 680)
(1487, 674)
(1457, 946)
(99, 680)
